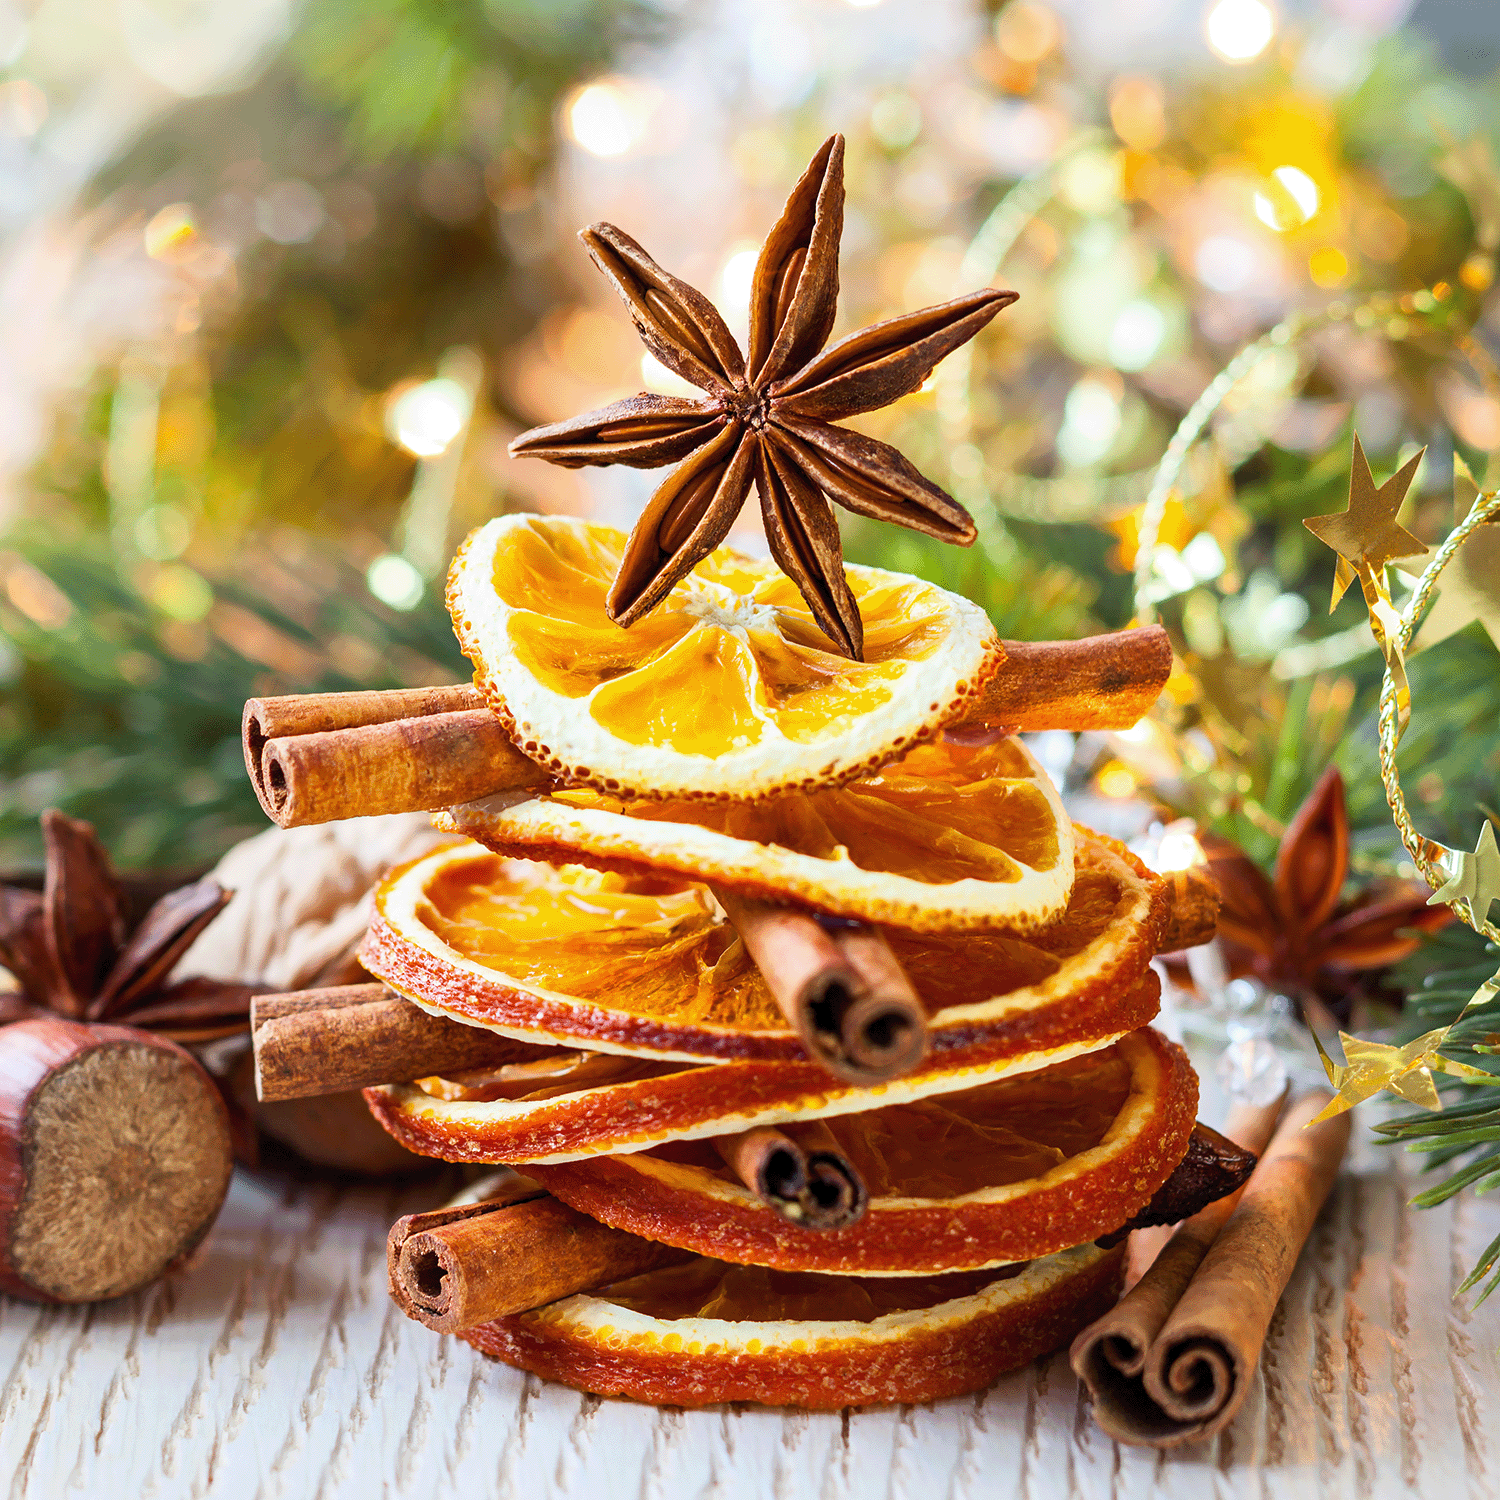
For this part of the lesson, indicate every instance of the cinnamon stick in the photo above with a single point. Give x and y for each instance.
(839, 986)
(1100, 682)
(319, 757)
(1173, 1362)
(809, 1181)
(458, 1267)
(351, 1036)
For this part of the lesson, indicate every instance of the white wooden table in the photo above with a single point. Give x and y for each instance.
(279, 1368)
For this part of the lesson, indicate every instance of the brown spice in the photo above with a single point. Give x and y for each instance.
(352, 1036)
(839, 986)
(1173, 1362)
(413, 750)
(114, 1159)
(319, 757)
(769, 418)
(456, 1268)
(805, 1177)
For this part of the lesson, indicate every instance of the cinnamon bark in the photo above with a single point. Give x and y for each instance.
(808, 1180)
(1173, 1362)
(839, 986)
(1100, 682)
(352, 1036)
(319, 757)
(458, 1267)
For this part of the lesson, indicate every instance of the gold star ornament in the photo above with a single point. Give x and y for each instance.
(1475, 879)
(1407, 1071)
(1366, 536)
(1470, 586)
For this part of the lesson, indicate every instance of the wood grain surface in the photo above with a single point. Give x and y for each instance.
(278, 1367)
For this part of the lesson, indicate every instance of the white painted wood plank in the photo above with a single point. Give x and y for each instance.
(279, 1368)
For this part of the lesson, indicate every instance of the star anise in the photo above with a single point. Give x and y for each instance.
(767, 419)
(74, 951)
(1295, 932)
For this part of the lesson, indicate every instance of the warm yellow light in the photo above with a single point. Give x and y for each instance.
(1137, 112)
(1117, 780)
(1240, 30)
(610, 115)
(426, 417)
(735, 281)
(169, 230)
(1026, 32)
(1291, 201)
(1328, 266)
(1179, 850)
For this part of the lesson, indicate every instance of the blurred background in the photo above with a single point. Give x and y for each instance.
(279, 281)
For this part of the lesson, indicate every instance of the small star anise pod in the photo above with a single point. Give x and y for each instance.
(1294, 932)
(75, 953)
(766, 419)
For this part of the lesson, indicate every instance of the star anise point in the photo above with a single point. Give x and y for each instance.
(769, 416)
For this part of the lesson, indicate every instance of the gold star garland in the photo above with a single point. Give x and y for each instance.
(1364, 536)
(1370, 1067)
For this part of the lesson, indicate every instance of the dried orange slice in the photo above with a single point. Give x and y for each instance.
(646, 966)
(700, 1333)
(1005, 1172)
(727, 690)
(952, 837)
(566, 1104)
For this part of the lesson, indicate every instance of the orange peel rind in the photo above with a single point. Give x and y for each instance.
(947, 1348)
(1087, 1193)
(617, 964)
(950, 838)
(728, 690)
(646, 1104)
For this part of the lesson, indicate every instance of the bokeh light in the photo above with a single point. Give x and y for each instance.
(1239, 31)
(394, 581)
(609, 116)
(425, 418)
(1291, 199)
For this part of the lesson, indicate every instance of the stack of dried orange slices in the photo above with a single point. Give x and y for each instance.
(716, 757)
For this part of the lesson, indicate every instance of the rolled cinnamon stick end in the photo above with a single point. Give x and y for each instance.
(406, 765)
(352, 1036)
(1173, 1362)
(1194, 910)
(1100, 682)
(509, 1256)
(839, 986)
(815, 1188)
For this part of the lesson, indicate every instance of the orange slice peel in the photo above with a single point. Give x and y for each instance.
(729, 690)
(949, 838)
(595, 1104)
(1045, 1160)
(944, 1345)
(646, 967)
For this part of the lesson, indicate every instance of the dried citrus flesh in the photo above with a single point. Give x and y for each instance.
(729, 690)
(646, 965)
(617, 1103)
(943, 1337)
(1003, 1172)
(952, 837)
(708, 1288)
